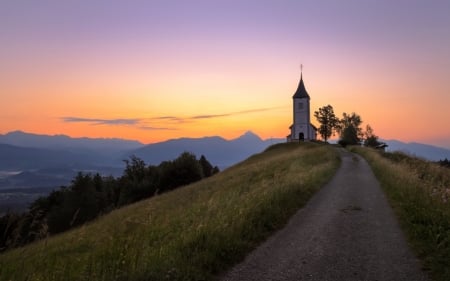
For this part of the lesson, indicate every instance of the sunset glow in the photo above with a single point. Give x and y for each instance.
(155, 70)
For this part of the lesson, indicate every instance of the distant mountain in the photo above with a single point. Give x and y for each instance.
(429, 152)
(217, 150)
(36, 179)
(45, 161)
(23, 158)
(42, 160)
(62, 142)
(38, 167)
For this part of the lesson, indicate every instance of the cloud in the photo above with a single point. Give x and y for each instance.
(207, 116)
(147, 123)
(137, 122)
(168, 118)
(95, 121)
(149, 128)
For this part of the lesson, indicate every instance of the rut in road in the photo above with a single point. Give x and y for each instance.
(347, 231)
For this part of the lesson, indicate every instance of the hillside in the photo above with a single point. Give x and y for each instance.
(193, 233)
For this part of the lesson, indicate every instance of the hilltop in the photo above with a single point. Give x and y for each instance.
(191, 233)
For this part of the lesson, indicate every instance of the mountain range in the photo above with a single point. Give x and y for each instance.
(426, 151)
(31, 160)
(217, 150)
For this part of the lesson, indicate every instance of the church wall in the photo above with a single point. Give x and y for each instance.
(301, 119)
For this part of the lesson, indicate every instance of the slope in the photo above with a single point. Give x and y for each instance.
(192, 233)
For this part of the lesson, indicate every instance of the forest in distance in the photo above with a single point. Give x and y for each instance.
(91, 195)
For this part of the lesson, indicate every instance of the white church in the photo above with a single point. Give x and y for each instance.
(301, 129)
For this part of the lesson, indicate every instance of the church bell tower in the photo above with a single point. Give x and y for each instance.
(301, 129)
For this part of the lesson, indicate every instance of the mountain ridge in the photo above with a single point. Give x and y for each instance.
(111, 151)
(427, 151)
(218, 150)
(24, 139)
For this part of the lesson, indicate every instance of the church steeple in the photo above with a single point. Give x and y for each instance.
(301, 92)
(301, 129)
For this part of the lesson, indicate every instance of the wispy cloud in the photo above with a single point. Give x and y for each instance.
(162, 123)
(139, 123)
(149, 128)
(207, 116)
(173, 119)
(95, 121)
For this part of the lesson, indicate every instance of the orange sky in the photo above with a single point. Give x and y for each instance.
(151, 71)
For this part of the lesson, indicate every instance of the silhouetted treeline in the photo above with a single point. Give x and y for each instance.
(444, 163)
(92, 195)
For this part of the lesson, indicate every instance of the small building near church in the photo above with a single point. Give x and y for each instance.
(301, 129)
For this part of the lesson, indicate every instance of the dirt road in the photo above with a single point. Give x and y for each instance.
(347, 231)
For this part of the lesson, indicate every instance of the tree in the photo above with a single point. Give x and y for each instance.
(328, 121)
(349, 129)
(138, 181)
(207, 168)
(182, 171)
(370, 139)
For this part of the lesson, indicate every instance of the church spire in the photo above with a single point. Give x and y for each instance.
(301, 92)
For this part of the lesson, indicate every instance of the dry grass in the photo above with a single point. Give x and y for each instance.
(193, 233)
(419, 192)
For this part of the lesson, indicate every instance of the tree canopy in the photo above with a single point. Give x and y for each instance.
(349, 129)
(370, 139)
(328, 121)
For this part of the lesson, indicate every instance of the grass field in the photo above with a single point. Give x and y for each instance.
(419, 192)
(193, 233)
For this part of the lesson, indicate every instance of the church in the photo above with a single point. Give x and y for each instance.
(301, 129)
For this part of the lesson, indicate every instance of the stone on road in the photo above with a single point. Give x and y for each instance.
(347, 231)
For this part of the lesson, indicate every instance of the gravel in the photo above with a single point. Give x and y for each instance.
(347, 231)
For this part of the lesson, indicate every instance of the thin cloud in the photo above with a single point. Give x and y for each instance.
(164, 117)
(149, 128)
(95, 121)
(180, 119)
(207, 116)
(168, 118)
(146, 123)
(258, 110)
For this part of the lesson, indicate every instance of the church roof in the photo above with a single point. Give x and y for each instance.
(301, 92)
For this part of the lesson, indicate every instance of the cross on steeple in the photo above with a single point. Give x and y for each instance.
(301, 91)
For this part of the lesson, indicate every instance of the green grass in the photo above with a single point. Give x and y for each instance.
(419, 192)
(193, 233)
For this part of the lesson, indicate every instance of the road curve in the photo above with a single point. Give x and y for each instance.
(347, 231)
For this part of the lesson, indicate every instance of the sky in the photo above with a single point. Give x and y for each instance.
(157, 70)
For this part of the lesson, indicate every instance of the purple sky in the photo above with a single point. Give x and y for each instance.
(216, 57)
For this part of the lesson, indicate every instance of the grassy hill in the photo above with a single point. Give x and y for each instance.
(419, 192)
(193, 233)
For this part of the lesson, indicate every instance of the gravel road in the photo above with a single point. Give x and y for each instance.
(347, 231)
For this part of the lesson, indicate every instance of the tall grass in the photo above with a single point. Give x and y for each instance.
(193, 233)
(419, 193)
